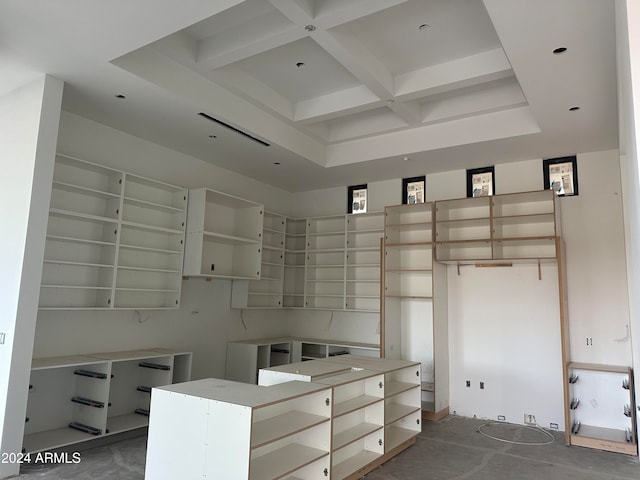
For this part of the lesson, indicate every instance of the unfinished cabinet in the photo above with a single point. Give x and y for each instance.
(80, 398)
(150, 251)
(402, 386)
(114, 240)
(294, 260)
(325, 263)
(243, 431)
(246, 357)
(268, 291)
(515, 227)
(357, 416)
(376, 407)
(224, 236)
(415, 301)
(304, 349)
(601, 407)
(362, 261)
(82, 236)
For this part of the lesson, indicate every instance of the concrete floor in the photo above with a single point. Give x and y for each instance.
(453, 448)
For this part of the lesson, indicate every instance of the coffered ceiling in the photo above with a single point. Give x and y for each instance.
(305, 94)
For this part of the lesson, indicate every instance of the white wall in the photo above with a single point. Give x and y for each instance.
(205, 319)
(504, 330)
(29, 123)
(593, 231)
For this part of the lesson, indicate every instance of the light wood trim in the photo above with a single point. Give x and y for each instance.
(435, 416)
(361, 472)
(564, 336)
(382, 302)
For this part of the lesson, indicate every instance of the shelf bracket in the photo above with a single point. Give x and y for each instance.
(539, 271)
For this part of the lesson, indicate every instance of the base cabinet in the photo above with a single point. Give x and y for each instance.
(376, 407)
(245, 358)
(601, 407)
(235, 430)
(80, 398)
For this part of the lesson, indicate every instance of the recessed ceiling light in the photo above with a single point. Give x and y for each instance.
(300, 64)
(390, 100)
(120, 96)
(423, 26)
(573, 109)
(559, 50)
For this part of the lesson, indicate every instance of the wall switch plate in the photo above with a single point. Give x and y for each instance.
(502, 418)
(530, 419)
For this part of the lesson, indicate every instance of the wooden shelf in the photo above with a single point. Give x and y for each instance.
(281, 426)
(284, 461)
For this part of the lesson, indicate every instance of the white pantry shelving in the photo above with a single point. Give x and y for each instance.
(224, 236)
(80, 398)
(114, 240)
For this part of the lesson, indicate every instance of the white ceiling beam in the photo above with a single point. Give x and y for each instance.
(333, 14)
(260, 35)
(325, 15)
(499, 95)
(464, 72)
(332, 105)
(300, 12)
(363, 65)
(481, 128)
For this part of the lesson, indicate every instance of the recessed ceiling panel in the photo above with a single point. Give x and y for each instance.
(318, 75)
(451, 29)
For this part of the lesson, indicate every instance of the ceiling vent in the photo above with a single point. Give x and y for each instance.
(220, 122)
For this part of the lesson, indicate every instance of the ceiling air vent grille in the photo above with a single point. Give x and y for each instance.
(220, 122)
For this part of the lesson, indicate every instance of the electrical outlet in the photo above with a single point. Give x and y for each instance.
(468, 383)
(481, 385)
(529, 419)
(589, 341)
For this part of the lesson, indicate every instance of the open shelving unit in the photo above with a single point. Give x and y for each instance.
(224, 236)
(279, 432)
(415, 301)
(268, 291)
(376, 407)
(114, 240)
(508, 227)
(294, 260)
(80, 398)
(601, 407)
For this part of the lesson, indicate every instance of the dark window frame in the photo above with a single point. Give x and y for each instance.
(350, 191)
(475, 171)
(546, 164)
(405, 186)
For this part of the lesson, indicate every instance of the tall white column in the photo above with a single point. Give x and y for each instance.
(29, 119)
